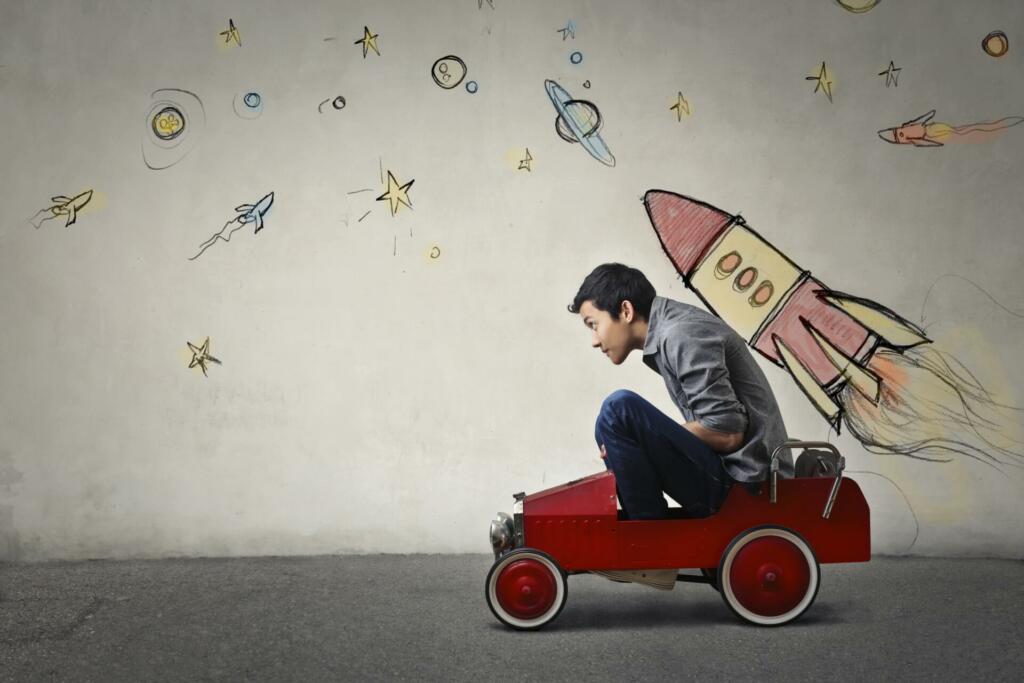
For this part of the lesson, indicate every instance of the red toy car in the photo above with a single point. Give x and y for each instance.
(761, 550)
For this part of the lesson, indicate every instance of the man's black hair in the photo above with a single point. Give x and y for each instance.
(610, 284)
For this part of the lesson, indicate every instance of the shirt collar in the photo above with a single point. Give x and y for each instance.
(651, 341)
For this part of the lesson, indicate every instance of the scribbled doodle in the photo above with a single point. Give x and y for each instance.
(396, 194)
(472, 87)
(578, 121)
(586, 84)
(247, 213)
(923, 132)
(891, 75)
(231, 33)
(63, 206)
(201, 356)
(858, 6)
(576, 57)
(448, 71)
(680, 107)
(435, 252)
(569, 31)
(524, 163)
(823, 82)
(338, 103)
(368, 41)
(995, 44)
(248, 105)
(172, 127)
(855, 360)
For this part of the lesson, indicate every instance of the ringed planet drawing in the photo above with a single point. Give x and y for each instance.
(579, 121)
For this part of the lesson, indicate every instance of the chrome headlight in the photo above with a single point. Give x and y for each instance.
(502, 534)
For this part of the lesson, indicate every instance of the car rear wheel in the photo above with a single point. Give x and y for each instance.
(526, 589)
(769, 576)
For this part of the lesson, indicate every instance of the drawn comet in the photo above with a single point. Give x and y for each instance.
(62, 206)
(853, 358)
(923, 132)
(247, 213)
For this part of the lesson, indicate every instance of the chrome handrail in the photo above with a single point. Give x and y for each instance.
(773, 468)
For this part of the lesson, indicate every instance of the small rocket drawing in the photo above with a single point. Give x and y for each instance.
(247, 213)
(63, 206)
(823, 338)
(924, 132)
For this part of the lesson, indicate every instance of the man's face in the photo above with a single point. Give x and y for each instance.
(610, 335)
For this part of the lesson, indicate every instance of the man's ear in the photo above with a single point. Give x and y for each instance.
(626, 311)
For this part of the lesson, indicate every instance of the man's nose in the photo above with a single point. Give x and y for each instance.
(595, 342)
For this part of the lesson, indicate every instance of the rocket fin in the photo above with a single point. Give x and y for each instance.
(923, 118)
(899, 333)
(926, 142)
(862, 380)
(72, 215)
(805, 380)
(258, 220)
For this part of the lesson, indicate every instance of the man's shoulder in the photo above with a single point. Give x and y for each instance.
(677, 316)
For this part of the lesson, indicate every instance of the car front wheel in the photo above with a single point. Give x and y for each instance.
(525, 589)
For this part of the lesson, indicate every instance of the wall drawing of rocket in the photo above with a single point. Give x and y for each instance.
(853, 358)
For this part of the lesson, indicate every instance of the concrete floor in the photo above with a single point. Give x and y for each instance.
(423, 617)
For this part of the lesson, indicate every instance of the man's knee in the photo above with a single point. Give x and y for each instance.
(617, 406)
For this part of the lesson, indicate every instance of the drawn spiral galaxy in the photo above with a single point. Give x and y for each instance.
(173, 124)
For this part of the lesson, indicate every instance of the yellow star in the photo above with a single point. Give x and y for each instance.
(396, 194)
(524, 163)
(201, 355)
(824, 83)
(681, 106)
(232, 33)
(369, 41)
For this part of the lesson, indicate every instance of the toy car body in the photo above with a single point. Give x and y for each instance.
(761, 550)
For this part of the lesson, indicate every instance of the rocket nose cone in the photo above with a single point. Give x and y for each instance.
(685, 226)
(888, 134)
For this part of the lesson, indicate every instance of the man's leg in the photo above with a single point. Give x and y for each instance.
(649, 453)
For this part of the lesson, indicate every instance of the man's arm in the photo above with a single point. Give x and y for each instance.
(697, 353)
(720, 442)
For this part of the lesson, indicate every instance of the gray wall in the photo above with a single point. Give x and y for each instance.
(387, 381)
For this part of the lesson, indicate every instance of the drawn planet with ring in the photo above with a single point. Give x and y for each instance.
(448, 71)
(579, 121)
(995, 44)
(173, 124)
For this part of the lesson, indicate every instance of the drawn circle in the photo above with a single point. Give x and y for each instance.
(448, 71)
(173, 124)
(168, 123)
(762, 294)
(728, 264)
(576, 57)
(472, 87)
(858, 6)
(995, 44)
(338, 102)
(745, 279)
(435, 252)
(248, 105)
(586, 84)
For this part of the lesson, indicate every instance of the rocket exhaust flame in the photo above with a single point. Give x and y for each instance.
(930, 406)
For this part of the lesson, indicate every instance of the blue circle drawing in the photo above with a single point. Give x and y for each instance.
(248, 105)
(576, 57)
(472, 87)
(252, 99)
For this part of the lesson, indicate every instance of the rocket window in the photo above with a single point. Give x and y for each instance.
(762, 294)
(745, 279)
(728, 264)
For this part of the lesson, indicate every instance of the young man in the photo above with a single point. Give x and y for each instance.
(732, 419)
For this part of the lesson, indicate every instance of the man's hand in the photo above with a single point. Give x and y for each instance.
(720, 442)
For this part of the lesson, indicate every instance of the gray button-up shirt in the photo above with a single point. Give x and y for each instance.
(713, 379)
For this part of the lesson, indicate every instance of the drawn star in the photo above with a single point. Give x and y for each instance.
(396, 194)
(824, 83)
(369, 41)
(568, 31)
(232, 33)
(681, 106)
(891, 74)
(201, 356)
(524, 163)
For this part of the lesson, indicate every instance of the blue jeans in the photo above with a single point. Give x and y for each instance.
(651, 453)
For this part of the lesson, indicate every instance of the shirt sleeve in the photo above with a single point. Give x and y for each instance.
(696, 354)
